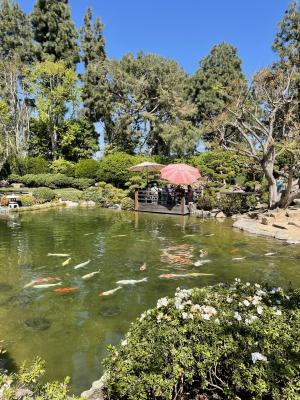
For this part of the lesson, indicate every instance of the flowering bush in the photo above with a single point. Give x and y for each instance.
(223, 342)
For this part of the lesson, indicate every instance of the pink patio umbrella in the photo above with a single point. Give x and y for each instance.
(180, 174)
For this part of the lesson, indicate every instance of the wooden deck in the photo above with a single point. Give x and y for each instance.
(144, 201)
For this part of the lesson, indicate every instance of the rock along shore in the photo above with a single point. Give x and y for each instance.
(279, 224)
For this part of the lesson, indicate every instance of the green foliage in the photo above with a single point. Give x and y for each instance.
(15, 178)
(105, 196)
(86, 169)
(208, 201)
(113, 168)
(82, 183)
(27, 200)
(218, 80)
(63, 167)
(68, 194)
(55, 32)
(43, 194)
(219, 164)
(237, 341)
(29, 378)
(127, 204)
(236, 204)
(15, 33)
(136, 182)
(33, 165)
(48, 180)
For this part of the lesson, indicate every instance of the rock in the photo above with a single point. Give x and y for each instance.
(17, 185)
(296, 224)
(96, 392)
(24, 393)
(71, 204)
(115, 207)
(265, 221)
(88, 203)
(220, 214)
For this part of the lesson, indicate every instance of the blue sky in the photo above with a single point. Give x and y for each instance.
(185, 30)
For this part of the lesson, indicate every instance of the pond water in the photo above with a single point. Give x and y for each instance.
(71, 331)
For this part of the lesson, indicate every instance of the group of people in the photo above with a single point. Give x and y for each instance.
(171, 193)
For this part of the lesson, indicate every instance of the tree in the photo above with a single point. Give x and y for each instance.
(266, 121)
(150, 110)
(220, 74)
(15, 111)
(16, 37)
(55, 89)
(55, 32)
(95, 95)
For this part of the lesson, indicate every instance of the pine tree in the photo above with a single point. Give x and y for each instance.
(55, 32)
(16, 37)
(216, 82)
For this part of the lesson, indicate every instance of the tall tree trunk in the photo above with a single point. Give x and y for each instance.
(268, 169)
(289, 195)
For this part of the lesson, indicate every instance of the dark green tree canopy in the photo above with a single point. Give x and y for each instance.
(55, 32)
(15, 33)
(287, 41)
(219, 77)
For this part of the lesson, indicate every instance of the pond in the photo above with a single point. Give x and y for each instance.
(72, 330)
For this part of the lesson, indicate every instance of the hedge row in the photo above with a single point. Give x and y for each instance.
(52, 181)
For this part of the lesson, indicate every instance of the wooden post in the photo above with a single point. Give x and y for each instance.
(182, 205)
(136, 200)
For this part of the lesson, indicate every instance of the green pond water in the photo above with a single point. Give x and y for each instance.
(71, 331)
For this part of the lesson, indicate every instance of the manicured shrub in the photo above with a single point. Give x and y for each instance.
(127, 204)
(68, 194)
(208, 201)
(236, 204)
(105, 196)
(43, 194)
(14, 178)
(82, 183)
(114, 168)
(27, 200)
(33, 165)
(63, 167)
(238, 341)
(86, 169)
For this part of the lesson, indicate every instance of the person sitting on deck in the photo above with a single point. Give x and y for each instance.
(154, 190)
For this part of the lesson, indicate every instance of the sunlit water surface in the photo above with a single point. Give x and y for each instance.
(71, 331)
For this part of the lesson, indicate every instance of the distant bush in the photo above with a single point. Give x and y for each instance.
(238, 341)
(87, 169)
(44, 194)
(236, 204)
(127, 204)
(14, 178)
(32, 165)
(105, 196)
(208, 201)
(27, 200)
(4, 201)
(63, 167)
(82, 183)
(68, 194)
(114, 168)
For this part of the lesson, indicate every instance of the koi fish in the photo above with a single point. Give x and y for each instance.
(210, 234)
(118, 236)
(88, 234)
(234, 251)
(82, 264)
(270, 254)
(58, 255)
(66, 262)
(131, 281)
(192, 274)
(143, 267)
(201, 262)
(66, 289)
(90, 275)
(40, 280)
(185, 236)
(238, 258)
(109, 292)
(47, 286)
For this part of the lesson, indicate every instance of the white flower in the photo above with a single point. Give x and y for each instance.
(186, 315)
(237, 280)
(206, 317)
(159, 317)
(237, 316)
(248, 284)
(142, 316)
(178, 304)
(163, 302)
(257, 285)
(259, 310)
(258, 357)
(229, 300)
(278, 312)
(217, 321)
(124, 342)
(246, 303)
(256, 300)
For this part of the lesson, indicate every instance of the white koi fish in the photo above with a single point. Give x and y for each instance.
(47, 286)
(270, 254)
(131, 281)
(90, 275)
(143, 267)
(66, 262)
(82, 264)
(201, 262)
(238, 258)
(58, 255)
(109, 292)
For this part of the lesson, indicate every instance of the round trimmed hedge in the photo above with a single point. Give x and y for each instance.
(238, 341)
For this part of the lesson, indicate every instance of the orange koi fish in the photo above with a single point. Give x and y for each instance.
(66, 289)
